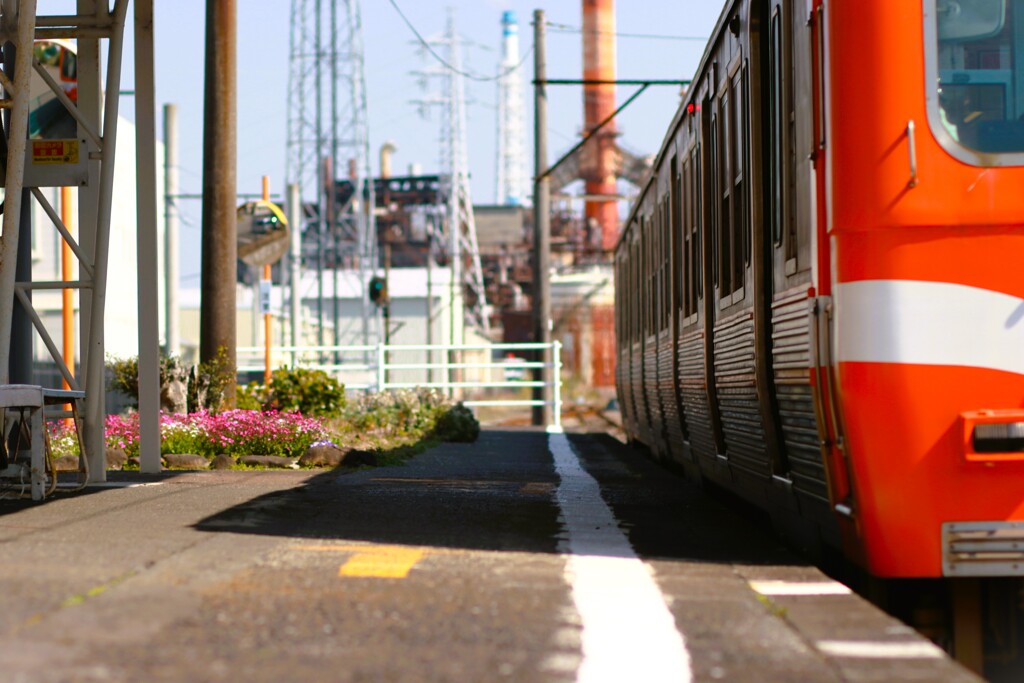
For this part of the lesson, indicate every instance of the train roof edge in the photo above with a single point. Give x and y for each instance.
(677, 119)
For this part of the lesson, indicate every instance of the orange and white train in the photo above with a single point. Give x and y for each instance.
(820, 291)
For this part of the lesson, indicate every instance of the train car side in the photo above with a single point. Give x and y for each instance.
(729, 361)
(827, 303)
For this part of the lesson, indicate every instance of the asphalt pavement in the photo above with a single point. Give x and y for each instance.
(463, 564)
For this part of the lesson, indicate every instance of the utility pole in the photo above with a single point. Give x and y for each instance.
(542, 415)
(387, 301)
(220, 247)
(295, 266)
(171, 227)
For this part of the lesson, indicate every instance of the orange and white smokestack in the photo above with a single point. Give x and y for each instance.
(598, 104)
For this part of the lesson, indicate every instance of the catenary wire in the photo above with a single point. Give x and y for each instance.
(445, 63)
(566, 28)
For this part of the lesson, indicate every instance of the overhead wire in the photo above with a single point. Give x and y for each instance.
(566, 28)
(472, 76)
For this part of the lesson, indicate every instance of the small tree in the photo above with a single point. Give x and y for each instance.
(201, 387)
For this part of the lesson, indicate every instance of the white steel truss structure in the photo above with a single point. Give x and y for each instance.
(328, 138)
(95, 112)
(461, 234)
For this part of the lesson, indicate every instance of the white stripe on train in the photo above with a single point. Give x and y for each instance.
(928, 323)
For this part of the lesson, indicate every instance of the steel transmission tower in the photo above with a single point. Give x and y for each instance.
(511, 176)
(328, 136)
(462, 243)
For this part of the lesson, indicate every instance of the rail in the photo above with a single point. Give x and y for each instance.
(464, 371)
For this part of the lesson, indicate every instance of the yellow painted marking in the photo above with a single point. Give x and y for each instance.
(368, 548)
(382, 562)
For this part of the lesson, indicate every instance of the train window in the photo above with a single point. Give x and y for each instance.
(739, 255)
(775, 127)
(663, 304)
(698, 230)
(685, 265)
(676, 191)
(713, 204)
(652, 305)
(634, 290)
(642, 277)
(976, 107)
(781, 126)
(666, 255)
(748, 219)
(727, 136)
(732, 224)
(656, 268)
(690, 264)
(658, 303)
(666, 261)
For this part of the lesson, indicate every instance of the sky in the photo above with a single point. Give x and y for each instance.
(391, 55)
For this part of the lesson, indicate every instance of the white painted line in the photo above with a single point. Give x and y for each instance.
(779, 588)
(121, 484)
(627, 630)
(881, 650)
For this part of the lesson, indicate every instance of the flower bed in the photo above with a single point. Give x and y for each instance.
(234, 432)
(396, 423)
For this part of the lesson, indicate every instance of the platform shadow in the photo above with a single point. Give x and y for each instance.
(499, 494)
(12, 502)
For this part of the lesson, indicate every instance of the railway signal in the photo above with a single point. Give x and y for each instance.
(378, 290)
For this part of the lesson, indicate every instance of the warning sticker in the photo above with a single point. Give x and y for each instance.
(54, 151)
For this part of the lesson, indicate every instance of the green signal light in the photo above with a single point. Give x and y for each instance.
(378, 290)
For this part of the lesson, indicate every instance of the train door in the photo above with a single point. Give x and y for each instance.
(709, 149)
(765, 145)
(633, 304)
(693, 342)
(677, 431)
(788, 142)
(621, 339)
(741, 423)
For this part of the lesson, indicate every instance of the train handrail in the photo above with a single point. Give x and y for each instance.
(912, 150)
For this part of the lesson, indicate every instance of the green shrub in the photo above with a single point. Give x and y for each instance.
(420, 413)
(457, 424)
(310, 392)
(403, 412)
(208, 381)
(124, 376)
(251, 396)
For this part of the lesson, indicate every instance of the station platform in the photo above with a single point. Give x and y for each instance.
(525, 556)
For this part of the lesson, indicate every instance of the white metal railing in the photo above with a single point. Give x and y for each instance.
(448, 367)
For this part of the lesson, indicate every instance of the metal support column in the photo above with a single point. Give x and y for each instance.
(148, 267)
(95, 378)
(541, 224)
(90, 108)
(19, 24)
(295, 266)
(171, 273)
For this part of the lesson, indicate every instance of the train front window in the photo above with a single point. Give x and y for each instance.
(976, 62)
